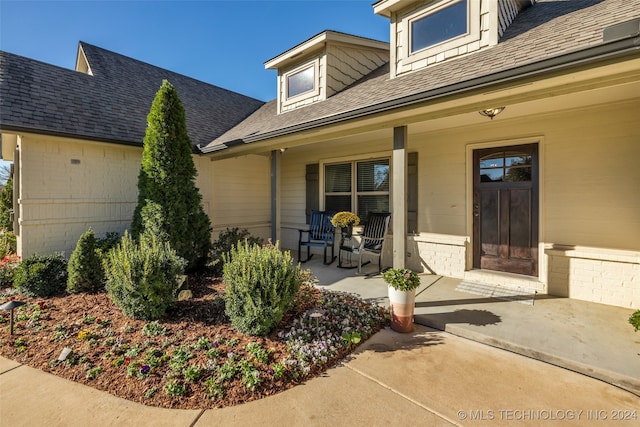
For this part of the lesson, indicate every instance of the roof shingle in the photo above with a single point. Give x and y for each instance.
(548, 29)
(112, 104)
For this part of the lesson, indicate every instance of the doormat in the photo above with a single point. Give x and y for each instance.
(499, 292)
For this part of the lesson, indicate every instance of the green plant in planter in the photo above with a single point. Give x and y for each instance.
(401, 279)
(634, 319)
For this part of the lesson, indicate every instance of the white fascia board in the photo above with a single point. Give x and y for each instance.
(317, 42)
(311, 44)
(387, 7)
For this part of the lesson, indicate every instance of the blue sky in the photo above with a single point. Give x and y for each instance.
(224, 43)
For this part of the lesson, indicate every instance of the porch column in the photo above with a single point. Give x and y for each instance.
(399, 200)
(276, 156)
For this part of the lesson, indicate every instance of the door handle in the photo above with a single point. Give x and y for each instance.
(476, 210)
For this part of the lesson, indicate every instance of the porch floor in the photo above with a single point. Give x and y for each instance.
(589, 338)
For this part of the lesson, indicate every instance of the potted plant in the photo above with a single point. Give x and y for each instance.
(402, 297)
(345, 220)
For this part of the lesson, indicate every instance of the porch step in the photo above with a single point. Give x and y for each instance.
(521, 295)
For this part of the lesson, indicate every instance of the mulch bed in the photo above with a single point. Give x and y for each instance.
(46, 326)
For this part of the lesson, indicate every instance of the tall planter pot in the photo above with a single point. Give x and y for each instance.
(401, 306)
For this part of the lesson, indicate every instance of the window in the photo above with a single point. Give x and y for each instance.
(439, 26)
(301, 82)
(506, 166)
(360, 186)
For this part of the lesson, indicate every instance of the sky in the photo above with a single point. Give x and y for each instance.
(224, 43)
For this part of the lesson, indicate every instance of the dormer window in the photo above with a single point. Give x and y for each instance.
(436, 27)
(301, 85)
(428, 32)
(325, 64)
(301, 81)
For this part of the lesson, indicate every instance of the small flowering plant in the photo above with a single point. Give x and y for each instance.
(8, 265)
(345, 219)
(401, 279)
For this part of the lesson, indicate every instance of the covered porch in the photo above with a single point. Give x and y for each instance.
(589, 338)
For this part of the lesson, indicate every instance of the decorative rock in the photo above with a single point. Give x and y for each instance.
(183, 281)
(184, 295)
(64, 354)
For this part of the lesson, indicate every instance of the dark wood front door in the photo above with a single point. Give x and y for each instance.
(505, 209)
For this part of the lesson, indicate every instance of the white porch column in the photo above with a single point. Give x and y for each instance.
(399, 200)
(276, 156)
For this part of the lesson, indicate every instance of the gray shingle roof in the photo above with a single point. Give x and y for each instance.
(549, 29)
(112, 104)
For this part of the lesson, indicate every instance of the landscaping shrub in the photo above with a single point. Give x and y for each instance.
(634, 319)
(6, 205)
(85, 266)
(168, 199)
(42, 275)
(226, 241)
(8, 266)
(8, 243)
(261, 285)
(106, 243)
(142, 276)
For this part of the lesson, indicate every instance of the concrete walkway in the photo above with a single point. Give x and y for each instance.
(589, 338)
(428, 377)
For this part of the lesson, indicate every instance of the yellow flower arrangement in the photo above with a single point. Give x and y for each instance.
(345, 219)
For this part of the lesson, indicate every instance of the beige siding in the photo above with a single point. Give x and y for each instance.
(589, 200)
(240, 191)
(589, 175)
(294, 161)
(345, 65)
(69, 185)
(483, 19)
(589, 196)
(507, 11)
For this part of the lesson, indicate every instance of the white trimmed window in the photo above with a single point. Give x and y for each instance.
(302, 82)
(438, 28)
(357, 186)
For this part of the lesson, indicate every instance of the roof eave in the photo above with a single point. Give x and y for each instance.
(22, 129)
(604, 51)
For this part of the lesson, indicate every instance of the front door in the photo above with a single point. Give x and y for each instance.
(505, 209)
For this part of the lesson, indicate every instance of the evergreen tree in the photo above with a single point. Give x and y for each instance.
(85, 272)
(6, 205)
(169, 203)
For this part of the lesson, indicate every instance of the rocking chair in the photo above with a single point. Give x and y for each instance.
(321, 233)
